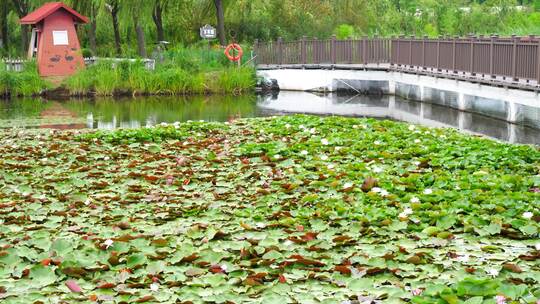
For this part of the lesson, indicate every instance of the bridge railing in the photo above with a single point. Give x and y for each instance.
(513, 58)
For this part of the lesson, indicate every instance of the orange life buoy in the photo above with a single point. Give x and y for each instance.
(235, 47)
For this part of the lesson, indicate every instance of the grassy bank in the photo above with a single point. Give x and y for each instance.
(125, 79)
(26, 83)
(296, 209)
(182, 71)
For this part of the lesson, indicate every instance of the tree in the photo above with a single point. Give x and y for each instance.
(4, 32)
(113, 6)
(220, 15)
(22, 7)
(138, 10)
(89, 8)
(157, 16)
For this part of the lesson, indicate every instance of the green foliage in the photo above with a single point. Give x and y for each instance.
(25, 83)
(178, 75)
(345, 31)
(247, 20)
(333, 208)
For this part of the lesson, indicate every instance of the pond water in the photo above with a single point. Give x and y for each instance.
(147, 111)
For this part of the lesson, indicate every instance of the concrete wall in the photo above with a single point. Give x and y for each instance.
(512, 105)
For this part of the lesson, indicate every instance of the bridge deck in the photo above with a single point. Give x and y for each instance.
(499, 81)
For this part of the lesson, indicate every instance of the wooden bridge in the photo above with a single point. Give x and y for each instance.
(502, 61)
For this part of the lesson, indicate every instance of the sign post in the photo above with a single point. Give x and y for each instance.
(208, 32)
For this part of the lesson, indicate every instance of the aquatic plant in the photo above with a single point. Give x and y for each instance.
(25, 83)
(106, 79)
(295, 209)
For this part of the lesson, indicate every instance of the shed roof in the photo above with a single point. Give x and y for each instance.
(48, 9)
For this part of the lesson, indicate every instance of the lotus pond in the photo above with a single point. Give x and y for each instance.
(293, 209)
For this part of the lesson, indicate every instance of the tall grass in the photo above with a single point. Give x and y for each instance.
(107, 79)
(25, 83)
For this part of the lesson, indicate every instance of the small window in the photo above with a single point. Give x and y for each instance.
(60, 38)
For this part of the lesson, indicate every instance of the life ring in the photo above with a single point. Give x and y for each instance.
(230, 54)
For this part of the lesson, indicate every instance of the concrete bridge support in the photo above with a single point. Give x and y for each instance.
(512, 105)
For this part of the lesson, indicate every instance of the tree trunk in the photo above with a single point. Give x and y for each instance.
(25, 40)
(92, 36)
(157, 15)
(220, 21)
(116, 28)
(22, 8)
(141, 45)
(4, 36)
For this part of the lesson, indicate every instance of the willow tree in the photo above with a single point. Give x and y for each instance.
(138, 11)
(220, 16)
(113, 7)
(4, 32)
(91, 9)
(157, 16)
(22, 8)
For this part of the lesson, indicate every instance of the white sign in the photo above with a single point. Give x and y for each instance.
(208, 32)
(60, 38)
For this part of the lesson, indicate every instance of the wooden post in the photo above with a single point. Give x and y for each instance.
(333, 49)
(280, 50)
(392, 42)
(491, 54)
(471, 63)
(424, 52)
(538, 62)
(349, 50)
(364, 49)
(303, 50)
(439, 53)
(514, 57)
(410, 51)
(454, 54)
(255, 51)
(315, 50)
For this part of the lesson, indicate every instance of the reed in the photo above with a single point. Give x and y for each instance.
(25, 83)
(107, 79)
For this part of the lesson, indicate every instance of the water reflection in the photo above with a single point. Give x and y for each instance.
(148, 111)
(398, 109)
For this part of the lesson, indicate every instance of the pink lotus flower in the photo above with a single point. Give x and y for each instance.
(417, 291)
(73, 286)
(500, 299)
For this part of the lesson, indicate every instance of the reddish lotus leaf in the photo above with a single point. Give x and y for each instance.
(73, 286)
(342, 238)
(310, 236)
(369, 184)
(252, 282)
(259, 276)
(186, 182)
(46, 262)
(216, 269)
(93, 298)
(282, 279)
(106, 286)
(512, 267)
(343, 270)
(145, 299)
(300, 228)
(151, 178)
(190, 258)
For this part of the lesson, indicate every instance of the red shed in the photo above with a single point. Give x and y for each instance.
(54, 39)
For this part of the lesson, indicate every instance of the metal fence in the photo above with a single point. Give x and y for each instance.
(513, 58)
